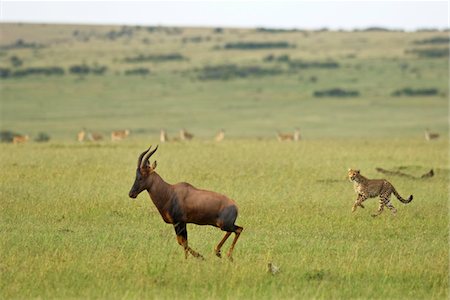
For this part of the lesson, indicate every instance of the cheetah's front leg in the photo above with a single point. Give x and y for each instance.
(358, 202)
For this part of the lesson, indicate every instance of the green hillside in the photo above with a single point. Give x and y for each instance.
(251, 82)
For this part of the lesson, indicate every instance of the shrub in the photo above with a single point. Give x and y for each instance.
(42, 137)
(300, 64)
(257, 45)
(85, 70)
(434, 40)
(6, 136)
(225, 72)
(21, 44)
(430, 52)
(155, 58)
(281, 58)
(409, 92)
(138, 71)
(274, 30)
(5, 72)
(15, 61)
(79, 69)
(336, 92)
(46, 71)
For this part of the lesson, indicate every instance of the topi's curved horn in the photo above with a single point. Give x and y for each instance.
(141, 156)
(149, 154)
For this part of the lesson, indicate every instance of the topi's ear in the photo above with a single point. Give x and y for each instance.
(154, 165)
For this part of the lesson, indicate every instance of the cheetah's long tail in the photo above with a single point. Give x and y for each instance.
(400, 197)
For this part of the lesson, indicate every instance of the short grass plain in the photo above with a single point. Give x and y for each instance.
(69, 230)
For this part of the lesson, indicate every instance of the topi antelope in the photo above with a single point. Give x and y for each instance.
(119, 135)
(431, 135)
(220, 135)
(20, 139)
(182, 203)
(185, 136)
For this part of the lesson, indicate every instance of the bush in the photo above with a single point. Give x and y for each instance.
(5, 72)
(155, 58)
(46, 71)
(274, 30)
(138, 71)
(281, 58)
(85, 70)
(409, 92)
(336, 92)
(257, 45)
(225, 72)
(6, 136)
(42, 137)
(21, 44)
(434, 40)
(300, 64)
(430, 52)
(15, 61)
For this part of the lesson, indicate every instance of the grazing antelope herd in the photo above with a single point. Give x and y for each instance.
(182, 203)
(184, 135)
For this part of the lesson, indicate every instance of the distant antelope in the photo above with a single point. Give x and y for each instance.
(288, 136)
(163, 136)
(20, 139)
(94, 136)
(220, 135)
(81, 136)
(431, 135)
(182, 203)
(184, 135)
(119, 134)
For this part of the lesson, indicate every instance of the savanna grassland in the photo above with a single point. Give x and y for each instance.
(361, 99)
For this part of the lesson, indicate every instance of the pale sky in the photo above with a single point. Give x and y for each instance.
(409, 15)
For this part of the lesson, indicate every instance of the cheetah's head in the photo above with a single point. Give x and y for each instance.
(353, 174)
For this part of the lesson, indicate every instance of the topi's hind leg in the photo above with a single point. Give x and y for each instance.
(237, 232)
(180, 230)
(219, 245)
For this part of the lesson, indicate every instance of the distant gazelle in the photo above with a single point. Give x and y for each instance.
(220, 135)
(431, 135)
(20, 139)
(81, 136)
(288, 136)
(119, 135)
(185, 136)
(163, 136)
(94, 136)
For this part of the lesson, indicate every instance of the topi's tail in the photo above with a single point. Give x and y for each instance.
(401, 199)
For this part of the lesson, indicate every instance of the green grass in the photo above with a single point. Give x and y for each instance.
(69, 229)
